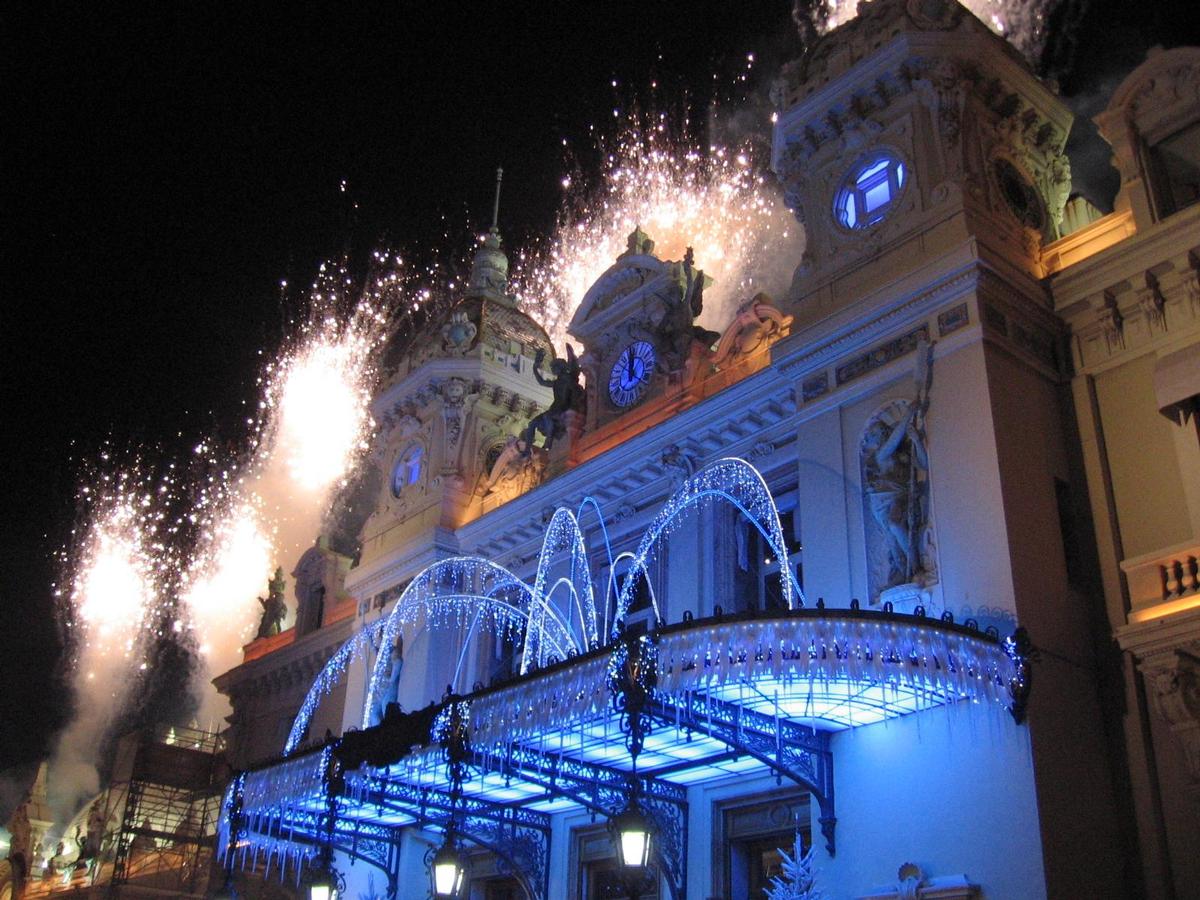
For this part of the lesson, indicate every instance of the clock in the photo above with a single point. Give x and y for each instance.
(631, 374)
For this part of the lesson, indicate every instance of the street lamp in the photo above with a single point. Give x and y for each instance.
(324, 883)
(632, 677)
(449, 873)
(447, 869)
(633, 833)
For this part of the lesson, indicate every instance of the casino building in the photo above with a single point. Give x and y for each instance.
(899, 568)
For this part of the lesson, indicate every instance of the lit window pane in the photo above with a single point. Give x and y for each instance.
(849, 216)
(878, 196)
(866, 174)
(869, 191)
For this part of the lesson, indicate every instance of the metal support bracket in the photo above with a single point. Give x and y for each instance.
(520, 837)
(602, 790)
(790, 750)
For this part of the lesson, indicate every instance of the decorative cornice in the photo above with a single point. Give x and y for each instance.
(818, 352)
(751, 411)
(296, 664)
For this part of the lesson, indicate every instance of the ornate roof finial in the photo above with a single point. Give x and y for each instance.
(496, 202)
(489, 268)
(638, 243)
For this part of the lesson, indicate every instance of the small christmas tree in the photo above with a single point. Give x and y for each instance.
(798, 881)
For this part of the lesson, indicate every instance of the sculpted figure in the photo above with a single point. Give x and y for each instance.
(514, 469)
(568, 394)
(97, 820)
(274, 607)
(895, 473)
(390, 690)
(757, 321)
(678, 465)
(22, 834)
(682, 340)
(891, 456)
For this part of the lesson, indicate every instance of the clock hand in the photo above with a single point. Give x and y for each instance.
(632, 370)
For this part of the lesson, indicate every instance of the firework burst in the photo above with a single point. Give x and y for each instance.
(719, 200)
(119, 574)
(313, 423)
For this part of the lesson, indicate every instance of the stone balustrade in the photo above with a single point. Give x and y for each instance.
(1163, 582)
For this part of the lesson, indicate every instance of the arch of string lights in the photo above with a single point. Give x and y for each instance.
(830, 669)
(552, 620)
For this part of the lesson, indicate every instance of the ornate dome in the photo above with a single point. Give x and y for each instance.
(484, 324)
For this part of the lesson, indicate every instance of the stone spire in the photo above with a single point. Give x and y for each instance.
(489, 268)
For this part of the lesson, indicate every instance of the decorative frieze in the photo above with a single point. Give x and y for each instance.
(814, 386)
(881, 355)
(950, 320)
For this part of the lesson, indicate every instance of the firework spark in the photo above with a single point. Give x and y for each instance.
(119, 570)
(1021, 22)
(716, 199)
(118, 576)
(314, 422)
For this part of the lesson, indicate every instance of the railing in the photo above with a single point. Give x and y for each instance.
(1164, 582)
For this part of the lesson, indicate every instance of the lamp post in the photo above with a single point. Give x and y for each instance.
(447, 869)
(632, 675)
(449, 873)
(322, 880)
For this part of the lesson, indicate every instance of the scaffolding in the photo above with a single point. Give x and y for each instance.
(165, 793)
(160, 814)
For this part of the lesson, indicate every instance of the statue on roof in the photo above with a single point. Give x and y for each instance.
(97, 822)
(681, 339)
(22, 834)
(568, 395)
(274, 607)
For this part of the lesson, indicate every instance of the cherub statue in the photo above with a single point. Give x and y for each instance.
(568, 394)
(274, 607)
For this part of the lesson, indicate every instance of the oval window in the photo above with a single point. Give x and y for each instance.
(1021, 196)
(869, 191)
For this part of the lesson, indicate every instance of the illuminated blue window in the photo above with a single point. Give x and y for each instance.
(408, 469)
(869, 191)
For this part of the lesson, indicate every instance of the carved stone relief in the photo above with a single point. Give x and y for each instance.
(678, 465)
(1173, 680)
(900, 550)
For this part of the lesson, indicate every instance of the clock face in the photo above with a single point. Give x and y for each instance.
(631, 374)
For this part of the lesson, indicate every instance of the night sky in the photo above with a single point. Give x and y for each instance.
(165, 165)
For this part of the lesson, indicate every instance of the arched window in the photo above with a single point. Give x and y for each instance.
(869, 191)
(408, 469)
